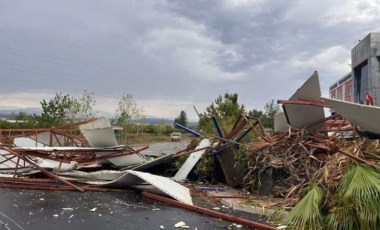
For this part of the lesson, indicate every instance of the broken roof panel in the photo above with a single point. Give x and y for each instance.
(55, 139)
(56, 165)
(100, 123)
(365, 116)
(152, 163)
(104, 137)
(191, 161)
(299, 116)
(26, 142)
(99, 133)
(131, 178)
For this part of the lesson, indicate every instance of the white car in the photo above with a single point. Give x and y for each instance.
(175, 136)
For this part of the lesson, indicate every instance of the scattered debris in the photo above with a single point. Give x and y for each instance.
(248, 223)
(306, 150)
(181, 224)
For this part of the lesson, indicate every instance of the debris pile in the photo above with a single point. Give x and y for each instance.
(54, 159)
(300, 159)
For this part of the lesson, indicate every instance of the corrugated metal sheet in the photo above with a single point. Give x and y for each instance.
(99, 133)
(130, 178)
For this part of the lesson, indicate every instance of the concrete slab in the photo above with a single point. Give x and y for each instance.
(364, 116)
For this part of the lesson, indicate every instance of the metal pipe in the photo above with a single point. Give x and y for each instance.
(188, 130)
(216, 124)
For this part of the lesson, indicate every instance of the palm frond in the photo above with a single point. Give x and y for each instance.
(361, 185)
(306, 214)
(342, 216)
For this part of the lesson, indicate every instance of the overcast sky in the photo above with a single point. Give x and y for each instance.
(172, 55)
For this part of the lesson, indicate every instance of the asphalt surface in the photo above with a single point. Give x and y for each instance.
(35, 209)
(163, 148)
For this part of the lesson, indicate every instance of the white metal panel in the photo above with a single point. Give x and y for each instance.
(301, 115)
(99, 133)
(104, 137)
(26, 142)
(153, 163)
(103, 175)
(365, 116)
(100, 123)
(55, 139)
(54, 165)
(125, 161)
(164, 184)
(191, 161)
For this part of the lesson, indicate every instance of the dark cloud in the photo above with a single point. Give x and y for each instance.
(187, 51)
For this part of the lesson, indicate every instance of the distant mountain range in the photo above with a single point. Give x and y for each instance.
(8, 113)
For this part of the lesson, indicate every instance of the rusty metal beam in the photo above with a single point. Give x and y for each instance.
(234, 219)
(302, 102)
(47, 173)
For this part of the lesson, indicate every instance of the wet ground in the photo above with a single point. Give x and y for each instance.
(37, 209)
(34, 209)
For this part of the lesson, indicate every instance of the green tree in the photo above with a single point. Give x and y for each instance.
(86, 105)
(256, 113)
(271, 109)
(23, 116)
(226, 109)
(181, 119)
(127, 111)
(59, 110)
